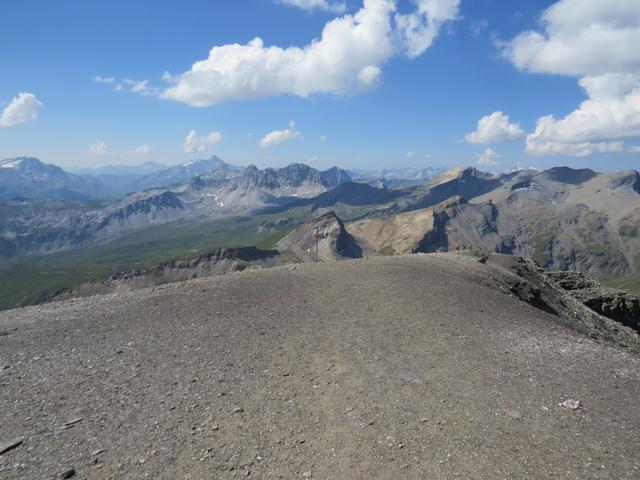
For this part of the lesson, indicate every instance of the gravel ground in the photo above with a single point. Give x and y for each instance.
(389, 368)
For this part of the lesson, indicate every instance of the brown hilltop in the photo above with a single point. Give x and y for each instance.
(424, 366)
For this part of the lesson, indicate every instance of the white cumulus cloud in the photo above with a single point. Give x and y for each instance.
(634, 149)
(277, 137)
(581, 37)
(489, 157)
(495, 128)
(99, 149)
(329, 6)
(23, 108)
(199, 143)
(409, 155)
(143, 150)
(419, 29)
(348, 57)
(599, 125)
(595, 41)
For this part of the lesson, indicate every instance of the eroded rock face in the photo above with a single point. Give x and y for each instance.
(623, 307)
(617, 305)
(294, 175)
(589, 310)
(333, 242)
(531, 294)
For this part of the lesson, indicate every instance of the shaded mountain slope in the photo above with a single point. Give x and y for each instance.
(355, 194)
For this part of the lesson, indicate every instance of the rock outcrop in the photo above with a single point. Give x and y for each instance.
(333, 241)
(574, 299)
(218, 262)
(618, 305)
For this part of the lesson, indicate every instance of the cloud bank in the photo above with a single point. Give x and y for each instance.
(595, 41)
(347, 58)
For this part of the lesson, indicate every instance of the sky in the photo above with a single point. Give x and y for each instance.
(356, 83)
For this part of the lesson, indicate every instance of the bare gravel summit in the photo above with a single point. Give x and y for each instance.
(416, 367)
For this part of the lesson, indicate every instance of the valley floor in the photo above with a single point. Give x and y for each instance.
(392, 367)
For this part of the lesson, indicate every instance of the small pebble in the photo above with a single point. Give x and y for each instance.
(570, 404)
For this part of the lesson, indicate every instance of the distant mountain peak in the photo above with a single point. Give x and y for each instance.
(293, 175)
(24, 162)
(10, 163)
(29, 177)
(32, 166)
(214, 160)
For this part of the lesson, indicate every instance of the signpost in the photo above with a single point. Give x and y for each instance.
(317, 236)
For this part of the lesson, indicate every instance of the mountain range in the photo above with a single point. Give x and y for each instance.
(27, 177)
(565, 219)
(38, 226)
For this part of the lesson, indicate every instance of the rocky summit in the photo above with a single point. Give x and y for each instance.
(432, 366)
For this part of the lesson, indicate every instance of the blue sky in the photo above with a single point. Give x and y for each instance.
(418, 104)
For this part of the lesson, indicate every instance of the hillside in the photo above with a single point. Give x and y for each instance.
(424, 366)
(565, 219)
(401, 233)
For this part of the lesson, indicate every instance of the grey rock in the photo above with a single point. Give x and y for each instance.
(72, 422)
(515, 414)
(571, 404)
(68, 473)
(9, 445)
